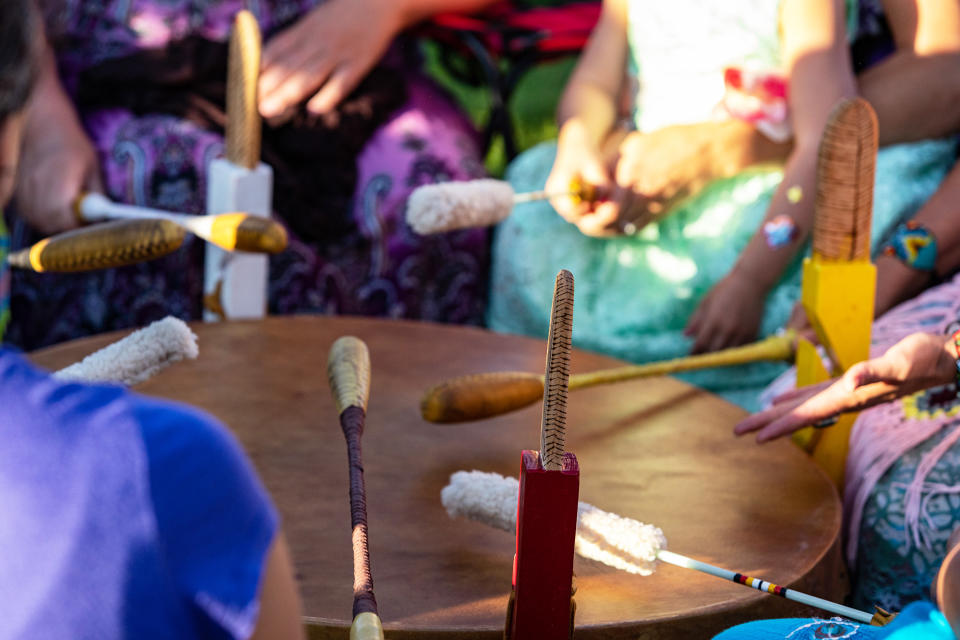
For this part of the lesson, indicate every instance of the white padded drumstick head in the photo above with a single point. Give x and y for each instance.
(622, 543)
(435, 208)
(137, 357)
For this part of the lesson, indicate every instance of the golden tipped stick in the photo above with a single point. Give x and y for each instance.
(557, 374)
(230, 231)
(104, 246)
(487, 395)
(242, 135)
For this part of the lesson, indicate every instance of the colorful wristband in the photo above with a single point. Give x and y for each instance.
(914, 245)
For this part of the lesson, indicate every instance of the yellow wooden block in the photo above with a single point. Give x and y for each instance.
(838, 297)
(810, 370)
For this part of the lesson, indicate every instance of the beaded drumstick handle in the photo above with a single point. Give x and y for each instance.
(486, 395)
(845, 176)
(104, 246)
(762, 585)
(243, 72)
(557, 374)
(348, 368)
(230, 231)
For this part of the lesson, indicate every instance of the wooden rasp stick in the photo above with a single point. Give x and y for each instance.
(237, 231)
(104, 246)
(486, 395)
(243, 130)
(348, 368)
(557, 374)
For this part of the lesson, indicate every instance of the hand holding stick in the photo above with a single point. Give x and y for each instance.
(348, 369)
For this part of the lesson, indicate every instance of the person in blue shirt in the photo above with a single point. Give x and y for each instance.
(122, 516)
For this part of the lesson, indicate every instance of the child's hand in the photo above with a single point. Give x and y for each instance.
(728, 316)
(917, 362)
(325, 55)
(578, 159)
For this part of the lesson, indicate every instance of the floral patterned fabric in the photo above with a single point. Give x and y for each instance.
(382, 268)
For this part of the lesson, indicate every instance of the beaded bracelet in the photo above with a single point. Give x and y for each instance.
(914, 245)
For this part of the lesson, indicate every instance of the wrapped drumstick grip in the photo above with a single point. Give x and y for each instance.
(348, 368)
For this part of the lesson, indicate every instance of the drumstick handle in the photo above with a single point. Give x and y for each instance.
(348, 368)
(94, 207)
(779, 347)
(762, 585)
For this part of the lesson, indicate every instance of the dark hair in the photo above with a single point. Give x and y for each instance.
(19, 37)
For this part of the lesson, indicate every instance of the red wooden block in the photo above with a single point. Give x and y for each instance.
(543, 566)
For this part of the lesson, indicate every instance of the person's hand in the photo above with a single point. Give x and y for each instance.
(580, 161)
(917, 362)
(57, 164)
(656, 170)
(325, 55)
(729, 315)
(800, 323)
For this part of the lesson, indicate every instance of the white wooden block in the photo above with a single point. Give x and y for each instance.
(240, 277)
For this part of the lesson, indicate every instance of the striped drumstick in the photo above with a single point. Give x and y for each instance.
(348, 368)
(762, 585)
(104, 246)
(235, 231)
(486, 395)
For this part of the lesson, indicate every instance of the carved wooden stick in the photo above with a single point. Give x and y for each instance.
(104, 246)
(491, 394)
(348, 368)
(243, 118)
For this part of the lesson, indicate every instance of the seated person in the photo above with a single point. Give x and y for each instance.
(346, 152)
(123, 517)
(698, 273)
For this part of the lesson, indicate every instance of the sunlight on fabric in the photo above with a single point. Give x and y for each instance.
(669, 266)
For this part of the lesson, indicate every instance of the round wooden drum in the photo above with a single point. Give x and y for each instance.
(655, 450)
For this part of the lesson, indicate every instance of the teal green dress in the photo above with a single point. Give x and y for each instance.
(636, 293)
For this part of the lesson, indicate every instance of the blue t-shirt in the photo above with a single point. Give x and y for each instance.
(122, 516)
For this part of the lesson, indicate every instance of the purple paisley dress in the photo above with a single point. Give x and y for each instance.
(380, 268)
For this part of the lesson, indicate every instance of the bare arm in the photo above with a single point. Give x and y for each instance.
(818, 64)
(916, 90)
(280, 609)
(57, 159)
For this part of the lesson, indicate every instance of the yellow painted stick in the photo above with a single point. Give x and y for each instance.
(491, 394)
(104, 246)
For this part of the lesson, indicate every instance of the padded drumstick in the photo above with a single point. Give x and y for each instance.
(137, 357)
(622, 543)
(486, 395)
(104, 246)
(348, 368)
(447, 206)
(230, 231)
